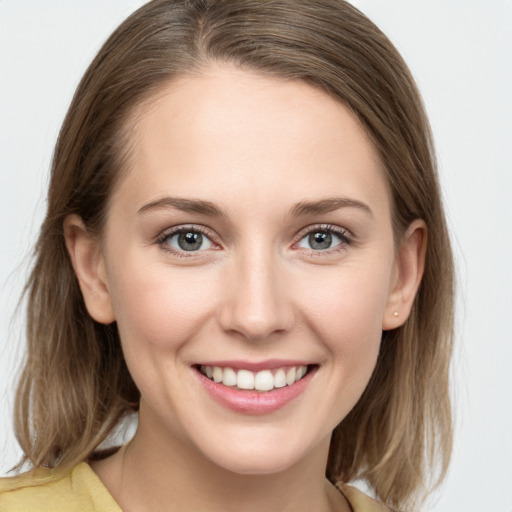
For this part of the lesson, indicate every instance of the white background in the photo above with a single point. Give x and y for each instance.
(460, 52)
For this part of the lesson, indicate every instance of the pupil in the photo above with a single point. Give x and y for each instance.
(190, 241)
(320, 240)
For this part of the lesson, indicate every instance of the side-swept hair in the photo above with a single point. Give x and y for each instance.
(75, 386)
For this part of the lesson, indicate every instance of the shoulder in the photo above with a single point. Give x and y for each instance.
(75, 489)
(359, 501)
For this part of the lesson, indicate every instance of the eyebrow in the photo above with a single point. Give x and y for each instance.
(300, 209)
(185, 205)
(327, 205)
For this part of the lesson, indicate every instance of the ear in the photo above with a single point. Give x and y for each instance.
(89, 265)
(409, 267)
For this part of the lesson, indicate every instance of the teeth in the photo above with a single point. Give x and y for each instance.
(245, 379)
(265, 380)
(280, 379)
(230, 377)
(218, 374)
(290, 376)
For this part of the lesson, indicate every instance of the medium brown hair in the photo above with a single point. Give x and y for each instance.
(75, 386)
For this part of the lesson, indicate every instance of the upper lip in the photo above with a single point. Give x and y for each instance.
(253, 366)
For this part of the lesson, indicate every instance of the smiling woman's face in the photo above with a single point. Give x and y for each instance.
(249, 241)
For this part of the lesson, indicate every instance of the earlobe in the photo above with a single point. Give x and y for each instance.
(89, 266)
(409, 267)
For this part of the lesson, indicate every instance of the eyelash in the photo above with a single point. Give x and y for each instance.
(345, 237)
(163, 240)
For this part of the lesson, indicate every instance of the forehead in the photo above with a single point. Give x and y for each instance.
(227, 131)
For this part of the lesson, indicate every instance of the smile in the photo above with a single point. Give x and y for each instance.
(255, 389)
(264, 380)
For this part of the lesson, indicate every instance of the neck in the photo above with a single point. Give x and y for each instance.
(161, 473)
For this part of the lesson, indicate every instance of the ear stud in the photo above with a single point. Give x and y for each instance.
(395, 313)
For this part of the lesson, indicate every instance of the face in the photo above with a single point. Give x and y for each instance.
(248, 245)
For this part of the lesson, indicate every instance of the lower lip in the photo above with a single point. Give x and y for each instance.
(254, 402)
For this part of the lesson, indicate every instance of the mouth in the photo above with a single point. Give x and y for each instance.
(255, 389)
(244, 379)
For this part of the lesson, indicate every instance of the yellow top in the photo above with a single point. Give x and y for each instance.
(80, 490)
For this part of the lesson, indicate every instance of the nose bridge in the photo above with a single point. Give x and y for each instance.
(258, 303)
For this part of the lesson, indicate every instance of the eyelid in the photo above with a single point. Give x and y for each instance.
(172, 231)
(346, 236)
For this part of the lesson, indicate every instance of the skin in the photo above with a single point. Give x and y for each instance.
(255, 147)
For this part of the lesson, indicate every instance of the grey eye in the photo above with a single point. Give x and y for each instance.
(320, 240)
(189, 240)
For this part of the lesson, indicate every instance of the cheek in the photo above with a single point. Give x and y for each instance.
(158, 311)
(345, 312)
(159, 307)
(347, 304)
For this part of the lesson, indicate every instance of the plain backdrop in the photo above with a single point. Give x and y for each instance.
(460, 53)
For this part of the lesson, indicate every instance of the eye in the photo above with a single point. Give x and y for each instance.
(187, 239)
(324, 239)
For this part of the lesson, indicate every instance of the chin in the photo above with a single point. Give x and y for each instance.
(258, 454)
(263, 464)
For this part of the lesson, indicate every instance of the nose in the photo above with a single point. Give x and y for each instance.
(256, 301)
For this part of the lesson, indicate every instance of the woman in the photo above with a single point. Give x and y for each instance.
(244, 243)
